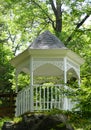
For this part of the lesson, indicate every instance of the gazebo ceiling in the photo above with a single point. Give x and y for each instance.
(48, 70)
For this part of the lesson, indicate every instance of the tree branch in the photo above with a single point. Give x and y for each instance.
(76, 28)
(53, 7)
(58, 15)
(52, 22)
(83, 20)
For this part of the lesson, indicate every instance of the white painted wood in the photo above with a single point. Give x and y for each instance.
(44, 98)
(45, 62)
(65, 69)
(49, 99)
(31, 85)
(23, 101)
(40, 98)
(79, 79)
(65, 99)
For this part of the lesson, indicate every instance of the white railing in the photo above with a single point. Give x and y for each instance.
(23, 101)
(45, 97)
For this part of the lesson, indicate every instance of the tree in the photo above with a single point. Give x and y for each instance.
(5, 70)
(25, 19)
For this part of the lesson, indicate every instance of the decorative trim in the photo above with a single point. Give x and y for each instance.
(41, 61)
(76, 67)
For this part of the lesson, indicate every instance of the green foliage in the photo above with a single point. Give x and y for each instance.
(5, 70)
(76, 118)
(17, 119)
(2, 120)
(6, 119)
(22, 20)
(23, 81)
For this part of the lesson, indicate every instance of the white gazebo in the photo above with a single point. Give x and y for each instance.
(46, 57)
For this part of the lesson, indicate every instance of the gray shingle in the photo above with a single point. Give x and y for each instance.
(46, 40)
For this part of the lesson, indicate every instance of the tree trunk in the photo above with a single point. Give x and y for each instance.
(58, 15)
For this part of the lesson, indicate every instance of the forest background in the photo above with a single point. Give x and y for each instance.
(21, 21)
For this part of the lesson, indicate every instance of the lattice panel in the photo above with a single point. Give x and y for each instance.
(74, 66)
(56, 62)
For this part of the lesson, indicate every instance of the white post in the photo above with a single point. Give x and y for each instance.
(79, 77)
(65, 104)
(31, 86)
(65, 69)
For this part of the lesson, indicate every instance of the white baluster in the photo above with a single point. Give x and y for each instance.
(51, 97)
(40, 97)
(59, 96)
(47, 97)
(44, 98)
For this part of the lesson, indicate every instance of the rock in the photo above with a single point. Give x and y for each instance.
(40, 122)
(8, 125)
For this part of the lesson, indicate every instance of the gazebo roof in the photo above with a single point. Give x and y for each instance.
(46, 45)
(46, 40)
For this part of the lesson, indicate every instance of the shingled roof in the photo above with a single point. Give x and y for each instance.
(46, 40)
